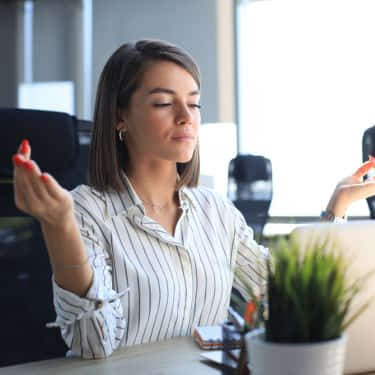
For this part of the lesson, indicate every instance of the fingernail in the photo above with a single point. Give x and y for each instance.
(17, 160)
(371, 158)
(28, 165)
(24, 146)
(44, 177)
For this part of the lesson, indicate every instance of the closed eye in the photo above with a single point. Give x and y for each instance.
(161, 104)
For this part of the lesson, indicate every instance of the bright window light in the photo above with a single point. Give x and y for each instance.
(217, 148)
(49, 96)
(306, 94)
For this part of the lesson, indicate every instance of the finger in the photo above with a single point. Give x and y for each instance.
(19, 181)
(25, 149)
(51, 185)
(19, 197)
(18, 160)
(18, 170)
(363, 169)
(33, 178)
(32, 166)
(362, 191)
(35, 201)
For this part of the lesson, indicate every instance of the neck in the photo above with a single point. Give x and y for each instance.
(155, 185)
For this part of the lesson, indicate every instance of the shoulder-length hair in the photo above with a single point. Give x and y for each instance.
(119, 79)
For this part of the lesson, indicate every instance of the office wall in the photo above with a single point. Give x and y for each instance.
(8, 54)
(189, 24)
(54, 45)
(226, 61)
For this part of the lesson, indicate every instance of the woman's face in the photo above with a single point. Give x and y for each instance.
(162, 122)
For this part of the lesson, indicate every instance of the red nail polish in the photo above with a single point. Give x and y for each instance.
(24, 146)
(44, 177)
(28, 165)
(17, 160)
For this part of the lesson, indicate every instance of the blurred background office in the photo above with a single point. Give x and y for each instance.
(292, 81)
(296, 77)
(54, 50)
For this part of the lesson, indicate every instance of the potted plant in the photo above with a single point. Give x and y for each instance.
(308, 300)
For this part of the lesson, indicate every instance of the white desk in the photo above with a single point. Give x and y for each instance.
(177, 356)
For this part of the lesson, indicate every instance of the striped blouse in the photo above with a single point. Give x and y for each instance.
(147, 284)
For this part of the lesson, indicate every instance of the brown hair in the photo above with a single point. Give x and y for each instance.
(119, 79)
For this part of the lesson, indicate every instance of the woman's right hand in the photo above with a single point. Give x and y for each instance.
(38, 194)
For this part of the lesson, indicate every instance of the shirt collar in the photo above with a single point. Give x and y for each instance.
(133, 203)
(186, 196)
(134, 198)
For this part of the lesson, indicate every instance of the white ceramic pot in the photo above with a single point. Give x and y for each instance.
(322, 358)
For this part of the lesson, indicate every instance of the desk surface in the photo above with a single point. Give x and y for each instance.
(177, 356)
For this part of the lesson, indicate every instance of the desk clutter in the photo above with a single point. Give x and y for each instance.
(213, 337)
(225, 343)
(324, 266)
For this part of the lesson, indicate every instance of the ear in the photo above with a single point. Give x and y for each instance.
(120, 126)
(121, 121)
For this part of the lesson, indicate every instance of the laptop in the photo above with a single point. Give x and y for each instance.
(357, 241)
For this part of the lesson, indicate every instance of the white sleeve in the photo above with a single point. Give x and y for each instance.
(250, 258)
(92, 326)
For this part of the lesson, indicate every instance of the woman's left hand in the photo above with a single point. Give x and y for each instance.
(352, 189)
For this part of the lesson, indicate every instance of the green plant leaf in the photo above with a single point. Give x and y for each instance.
(309, 296)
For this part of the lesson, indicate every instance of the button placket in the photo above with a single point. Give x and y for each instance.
(136, 215)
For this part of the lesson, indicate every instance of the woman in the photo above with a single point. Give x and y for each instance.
(142, 254)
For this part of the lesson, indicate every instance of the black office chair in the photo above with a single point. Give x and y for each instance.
(25, 273)
(368, 148)
(250, 189)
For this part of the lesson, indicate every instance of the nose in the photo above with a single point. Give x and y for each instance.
(184, 115)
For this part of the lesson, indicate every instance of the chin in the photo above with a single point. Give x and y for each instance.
(180, 156)
(184, 158)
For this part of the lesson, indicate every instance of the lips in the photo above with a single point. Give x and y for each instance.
(183, 137)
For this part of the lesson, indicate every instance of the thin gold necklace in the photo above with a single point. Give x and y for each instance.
(153, 205)
(157, 207)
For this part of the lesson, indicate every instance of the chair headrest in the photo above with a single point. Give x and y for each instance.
(53, 138)
(368, 143)
(249, 168)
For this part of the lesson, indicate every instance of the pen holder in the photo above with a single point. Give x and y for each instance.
(231, 336)
(234, 339)
(242, 368)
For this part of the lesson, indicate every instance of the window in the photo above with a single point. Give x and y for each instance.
(306, 90)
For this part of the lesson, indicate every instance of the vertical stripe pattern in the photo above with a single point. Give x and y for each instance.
(176, 282)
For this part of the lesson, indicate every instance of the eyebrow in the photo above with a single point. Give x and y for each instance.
(158, 90)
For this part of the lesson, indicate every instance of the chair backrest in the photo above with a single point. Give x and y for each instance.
(54, 141)
(77, 174)
(250, 188)
(368, 148)
(60, 145)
